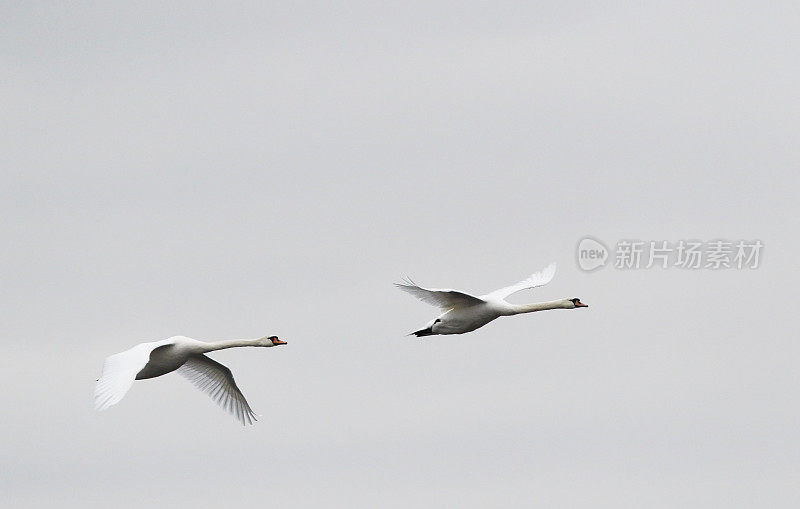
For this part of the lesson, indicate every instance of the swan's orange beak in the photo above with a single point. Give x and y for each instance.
(579, 304)
(277, 341)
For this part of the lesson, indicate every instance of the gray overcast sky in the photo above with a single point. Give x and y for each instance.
(225, 170)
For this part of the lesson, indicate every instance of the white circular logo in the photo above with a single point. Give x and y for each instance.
(592, 254)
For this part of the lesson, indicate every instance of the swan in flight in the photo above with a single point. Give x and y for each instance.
(465, 313)
(184, 355)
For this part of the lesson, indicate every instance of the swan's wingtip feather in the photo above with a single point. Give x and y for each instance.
(546, 273)
(406, 284)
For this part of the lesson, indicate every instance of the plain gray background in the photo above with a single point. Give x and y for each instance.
(227, 170)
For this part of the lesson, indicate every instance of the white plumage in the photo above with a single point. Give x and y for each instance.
(464, 312)
(186, 355)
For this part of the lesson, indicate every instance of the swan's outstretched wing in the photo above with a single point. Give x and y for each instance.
(217, 381)
(119, 372)
(442, 298)
(540, 278)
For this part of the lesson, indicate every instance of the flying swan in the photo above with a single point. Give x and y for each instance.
(465, 313)
(184, 355)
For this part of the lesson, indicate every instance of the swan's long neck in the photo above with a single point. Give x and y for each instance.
(233, 343)
(515, 309)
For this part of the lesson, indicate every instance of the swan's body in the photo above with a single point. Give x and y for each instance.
(465, 313)
(186, 356)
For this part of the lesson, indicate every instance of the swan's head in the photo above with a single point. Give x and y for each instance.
(576, 303)
(274, 341)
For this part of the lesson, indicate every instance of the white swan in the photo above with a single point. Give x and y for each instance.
(464, 312)
(149, 360)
